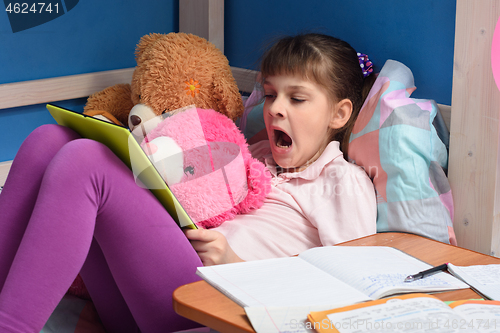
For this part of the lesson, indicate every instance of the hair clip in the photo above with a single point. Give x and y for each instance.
(365, 64)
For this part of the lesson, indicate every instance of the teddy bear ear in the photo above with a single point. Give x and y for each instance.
(145, 42)
(226, 94)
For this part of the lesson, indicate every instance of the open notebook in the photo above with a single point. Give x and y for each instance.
(324, 276)
(121, 141)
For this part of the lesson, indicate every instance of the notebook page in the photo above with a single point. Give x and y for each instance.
(483, 278)
(278, 282)
(481, 316)
(283, 319)
(378, 271)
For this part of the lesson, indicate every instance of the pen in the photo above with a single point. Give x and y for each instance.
(425, 273)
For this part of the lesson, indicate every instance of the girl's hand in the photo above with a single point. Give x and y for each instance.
(211, 246)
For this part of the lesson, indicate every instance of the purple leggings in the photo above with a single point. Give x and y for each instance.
(70, 205)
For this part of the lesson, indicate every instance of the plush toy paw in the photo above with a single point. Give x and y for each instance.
(104, 115)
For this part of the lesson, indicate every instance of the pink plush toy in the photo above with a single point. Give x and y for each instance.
(205, 160)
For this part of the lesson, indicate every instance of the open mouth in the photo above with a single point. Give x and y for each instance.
(282, 139)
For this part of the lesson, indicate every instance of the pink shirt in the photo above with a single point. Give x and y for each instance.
(330, 202)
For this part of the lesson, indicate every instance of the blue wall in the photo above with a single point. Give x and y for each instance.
(93, 36)
(418, 33)
(102, 35)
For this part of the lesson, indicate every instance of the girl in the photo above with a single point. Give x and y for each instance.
(63, 212)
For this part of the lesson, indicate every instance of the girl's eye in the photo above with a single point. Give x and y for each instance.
(298, 100)
(268, 96)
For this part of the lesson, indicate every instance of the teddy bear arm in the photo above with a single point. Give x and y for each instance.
(115, 101)
(227, 96)
(103, 115)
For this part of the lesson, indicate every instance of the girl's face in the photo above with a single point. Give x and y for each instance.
(298, 115)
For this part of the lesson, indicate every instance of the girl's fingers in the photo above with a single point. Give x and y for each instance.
(200, 235)
(199, 246)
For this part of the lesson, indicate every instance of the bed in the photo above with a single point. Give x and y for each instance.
(474, 161)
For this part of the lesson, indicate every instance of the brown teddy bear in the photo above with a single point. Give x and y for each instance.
(173, 71)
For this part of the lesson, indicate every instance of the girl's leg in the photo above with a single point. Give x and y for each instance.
(100, 283)
(147, 254)
(86, 186)
(21, 188)
(20, 193)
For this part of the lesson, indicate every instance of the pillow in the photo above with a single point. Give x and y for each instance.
(252, 123)
(395, 141)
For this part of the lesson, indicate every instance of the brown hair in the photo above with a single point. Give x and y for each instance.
(328, 61)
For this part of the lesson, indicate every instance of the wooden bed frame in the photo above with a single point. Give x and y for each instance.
(474, 164)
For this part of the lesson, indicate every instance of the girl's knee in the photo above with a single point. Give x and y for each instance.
(43, 144)
(88, 154)
(49, 134)
(50, 129)
(79, 161)
(84, 149)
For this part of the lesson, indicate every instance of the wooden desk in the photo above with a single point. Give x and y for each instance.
(204, 304)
